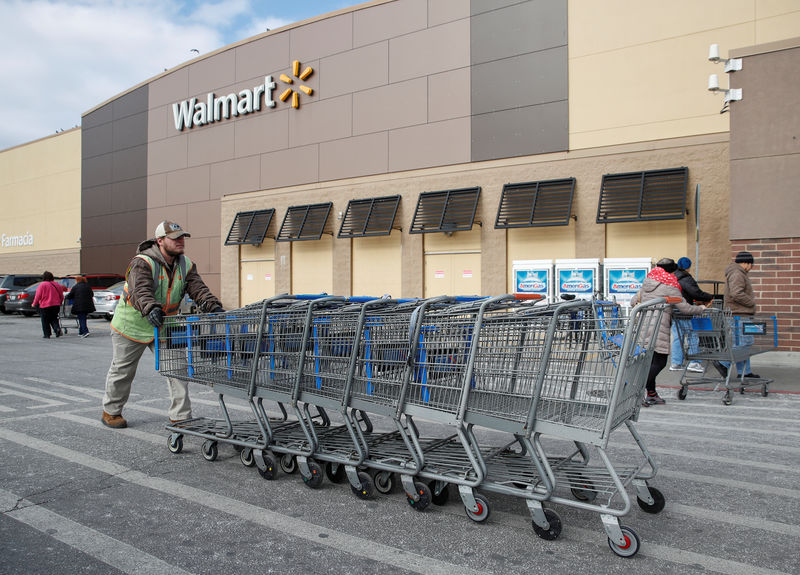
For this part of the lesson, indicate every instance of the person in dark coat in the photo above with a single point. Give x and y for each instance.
(692, 293)
(82, 303)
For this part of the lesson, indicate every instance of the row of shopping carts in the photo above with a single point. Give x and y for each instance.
(721, 340)
(514, 371)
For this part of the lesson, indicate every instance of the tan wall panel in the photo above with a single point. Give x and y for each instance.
(547, 243)
(449, 273)
(312, 266)
(630, 82)
(452, 274)
(459, 241)
(257, 281)
(377, 265)
(656, 240)
(40, 187)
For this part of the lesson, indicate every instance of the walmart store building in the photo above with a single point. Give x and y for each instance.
(420, 147)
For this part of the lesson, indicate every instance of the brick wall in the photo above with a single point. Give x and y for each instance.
(776, 283)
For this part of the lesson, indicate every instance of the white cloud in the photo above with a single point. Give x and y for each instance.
(62, 58)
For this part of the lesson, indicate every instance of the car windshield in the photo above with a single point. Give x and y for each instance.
(117, 287)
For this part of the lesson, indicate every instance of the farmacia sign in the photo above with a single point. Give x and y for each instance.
(23, 240)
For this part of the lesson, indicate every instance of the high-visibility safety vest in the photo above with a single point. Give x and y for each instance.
(130, 322)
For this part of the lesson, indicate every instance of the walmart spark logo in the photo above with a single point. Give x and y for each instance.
(194, 112)
(300, 76)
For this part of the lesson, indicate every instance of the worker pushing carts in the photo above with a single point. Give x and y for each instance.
(572, 371)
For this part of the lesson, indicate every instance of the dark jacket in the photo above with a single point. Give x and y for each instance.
(690, 291)
(82, 298)
(140, 282)
(739, 296)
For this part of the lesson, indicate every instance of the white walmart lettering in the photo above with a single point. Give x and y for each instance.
(192, 112)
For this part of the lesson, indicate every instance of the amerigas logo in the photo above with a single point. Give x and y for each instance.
(194, 112)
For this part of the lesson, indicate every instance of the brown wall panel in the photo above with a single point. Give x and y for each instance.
(388, 21)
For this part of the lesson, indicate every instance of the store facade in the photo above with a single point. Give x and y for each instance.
(440, 116)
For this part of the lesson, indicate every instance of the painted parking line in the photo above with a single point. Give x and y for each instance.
(41, 392)
(271, 520)
(93, 543)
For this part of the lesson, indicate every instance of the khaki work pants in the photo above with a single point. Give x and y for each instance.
(122, 371)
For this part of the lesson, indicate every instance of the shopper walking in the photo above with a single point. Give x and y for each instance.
(156, 280)
(661, 282)
(692, 293)
(48, 298)
(82, 298)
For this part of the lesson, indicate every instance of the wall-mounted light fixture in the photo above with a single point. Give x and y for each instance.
(731, 65)
(731, 94)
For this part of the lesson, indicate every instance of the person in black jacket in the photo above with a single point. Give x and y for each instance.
(82, 303)
(692, 293)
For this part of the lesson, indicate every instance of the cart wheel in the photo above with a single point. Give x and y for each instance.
(65, 330)
(246, 455)
(631, 546)
(482, 514)
(175, 443)
(424, 497)
(210, 450)
(367, 490)
(555, 526)
(268, 472)
(384, 482)
(288, 464)
(727, 399)
(658, 501)
(336, 476)
(584, 489)
(314, 481)
(443, 497)
(682, 393)
(764, 391)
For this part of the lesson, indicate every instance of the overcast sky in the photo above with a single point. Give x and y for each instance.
(60, 58)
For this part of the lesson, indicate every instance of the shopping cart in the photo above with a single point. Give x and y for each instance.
(326, 361)
(221, 351)
(593, 384)
(437, 389)
(718, 336)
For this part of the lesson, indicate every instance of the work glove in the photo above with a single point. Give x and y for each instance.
(156, 317)
(218, 309)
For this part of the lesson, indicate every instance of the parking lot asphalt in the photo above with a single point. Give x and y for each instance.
(76, 497)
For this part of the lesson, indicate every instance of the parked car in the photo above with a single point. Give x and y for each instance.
(15, 282)
(106, 300)
(21, 301)
(95, 281)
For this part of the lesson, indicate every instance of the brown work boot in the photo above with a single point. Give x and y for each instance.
(113, 421)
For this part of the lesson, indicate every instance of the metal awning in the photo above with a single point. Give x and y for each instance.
(531, 204)
(369, 217)
(304, 222)
(648, 195)
(249, 227)
(445, 211)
